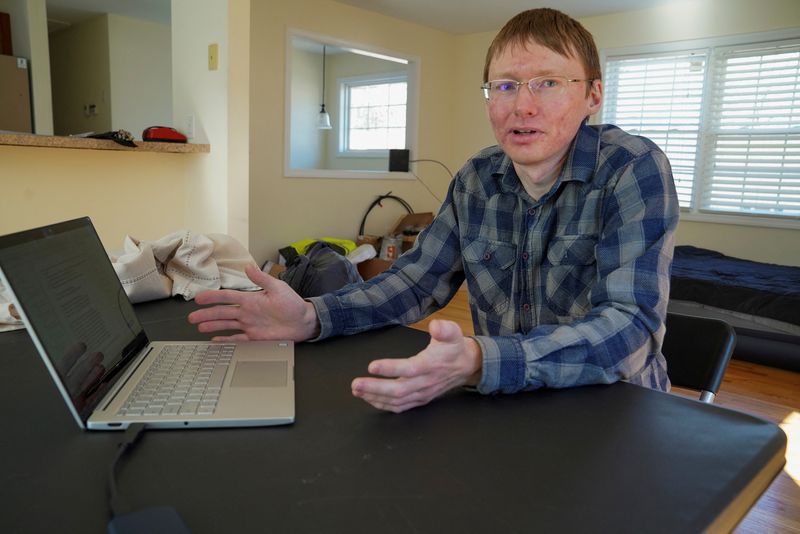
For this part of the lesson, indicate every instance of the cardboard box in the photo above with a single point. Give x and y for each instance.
(407, 227)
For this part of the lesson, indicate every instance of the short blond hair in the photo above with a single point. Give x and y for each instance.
(551, 29)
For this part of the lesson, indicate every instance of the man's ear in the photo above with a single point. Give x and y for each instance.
(595, 96)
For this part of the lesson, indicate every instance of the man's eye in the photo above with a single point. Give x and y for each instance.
(505, 87)
(549, 83)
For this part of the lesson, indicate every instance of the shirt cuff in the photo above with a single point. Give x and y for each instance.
(325, 307)
(503, 368)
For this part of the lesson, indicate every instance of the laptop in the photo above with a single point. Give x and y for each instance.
(108, 372)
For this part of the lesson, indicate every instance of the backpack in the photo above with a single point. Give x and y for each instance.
(320, 270)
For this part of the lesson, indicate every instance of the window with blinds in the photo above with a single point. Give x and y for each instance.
(727, 117)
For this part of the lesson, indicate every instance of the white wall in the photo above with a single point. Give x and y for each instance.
(141, 74)
(203, 94)
(238, 176)
(29, 40)
(307, 142)
(80, 75)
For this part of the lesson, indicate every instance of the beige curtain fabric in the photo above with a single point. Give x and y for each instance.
(182, 263)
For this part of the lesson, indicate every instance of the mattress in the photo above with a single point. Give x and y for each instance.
(760, 300)
(749, 287)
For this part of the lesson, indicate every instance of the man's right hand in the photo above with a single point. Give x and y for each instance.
(276, 312)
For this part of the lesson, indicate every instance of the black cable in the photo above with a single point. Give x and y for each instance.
(434, 161)
(377, 202)
(426, 187)
(116, 502)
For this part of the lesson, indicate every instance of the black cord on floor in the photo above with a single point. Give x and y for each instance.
(377, 202)
(117, 504)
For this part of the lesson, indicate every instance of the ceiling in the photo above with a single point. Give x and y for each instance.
(64, 13)
(473, 16)
(452, 16)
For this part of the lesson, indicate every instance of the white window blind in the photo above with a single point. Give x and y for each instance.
(727, 117)
(754, 160)
(660, 97)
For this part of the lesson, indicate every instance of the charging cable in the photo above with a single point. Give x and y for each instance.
(116, 502)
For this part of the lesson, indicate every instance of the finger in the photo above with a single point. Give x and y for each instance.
(259, 277)
(394, 388)
(216, 326)
(221, 296)
(215, 313)
(397, 367)
(392, 406)
(445, 331)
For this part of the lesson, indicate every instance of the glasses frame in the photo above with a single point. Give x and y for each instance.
(486, 86)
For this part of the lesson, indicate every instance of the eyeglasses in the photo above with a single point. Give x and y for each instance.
(545, 87)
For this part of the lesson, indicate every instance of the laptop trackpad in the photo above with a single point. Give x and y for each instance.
(259, 374)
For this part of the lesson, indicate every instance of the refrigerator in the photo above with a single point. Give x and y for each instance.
(15, 95)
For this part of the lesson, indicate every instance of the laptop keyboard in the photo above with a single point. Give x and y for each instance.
(185, 379)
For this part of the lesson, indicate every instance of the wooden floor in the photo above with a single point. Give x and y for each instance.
(773, 394)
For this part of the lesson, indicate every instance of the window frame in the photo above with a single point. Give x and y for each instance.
(696, 213)
(413, 101)
(343, 85)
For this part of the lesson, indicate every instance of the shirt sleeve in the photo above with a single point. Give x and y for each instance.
(620, 337)
(421, 281)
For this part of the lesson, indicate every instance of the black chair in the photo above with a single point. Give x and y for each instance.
(698, 350)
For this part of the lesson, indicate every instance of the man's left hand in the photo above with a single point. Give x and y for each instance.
(450, 360)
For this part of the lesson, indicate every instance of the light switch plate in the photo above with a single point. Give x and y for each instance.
(213, 56)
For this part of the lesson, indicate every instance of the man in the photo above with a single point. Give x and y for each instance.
(563, 232)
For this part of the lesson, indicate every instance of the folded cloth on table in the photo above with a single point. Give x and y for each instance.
(9, 318)
(182, 263)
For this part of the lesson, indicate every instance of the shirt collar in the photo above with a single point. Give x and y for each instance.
(579, 166)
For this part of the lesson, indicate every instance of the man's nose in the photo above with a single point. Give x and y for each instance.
(526, 102)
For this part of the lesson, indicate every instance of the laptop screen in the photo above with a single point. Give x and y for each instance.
(75, 304)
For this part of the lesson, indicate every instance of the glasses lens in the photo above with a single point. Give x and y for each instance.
(548, 87)
(500, 89)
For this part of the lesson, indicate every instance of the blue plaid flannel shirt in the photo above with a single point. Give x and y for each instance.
(568, 290)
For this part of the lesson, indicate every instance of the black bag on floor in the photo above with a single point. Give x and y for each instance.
(320, 270)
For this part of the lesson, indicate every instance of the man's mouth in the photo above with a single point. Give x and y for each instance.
(524, 132)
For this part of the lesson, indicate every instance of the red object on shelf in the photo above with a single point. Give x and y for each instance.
(163, 134)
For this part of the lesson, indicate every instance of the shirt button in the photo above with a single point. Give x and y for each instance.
(525, 256)
(531, 211)
(526, 306)
(487, 256)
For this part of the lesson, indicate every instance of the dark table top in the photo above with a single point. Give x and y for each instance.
(616, 458)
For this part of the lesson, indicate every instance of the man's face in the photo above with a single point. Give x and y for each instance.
(533, 131)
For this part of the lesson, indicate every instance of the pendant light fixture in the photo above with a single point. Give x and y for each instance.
(323, 119)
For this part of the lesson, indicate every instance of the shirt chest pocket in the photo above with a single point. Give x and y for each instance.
(572, 250)
(570, 273)
(489, 268)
